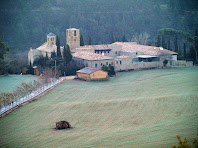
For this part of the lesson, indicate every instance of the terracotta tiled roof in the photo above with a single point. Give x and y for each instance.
(87, 70)
(98, 47)
(47, 48)
(90, 56)
(122, 57)
(149, 50)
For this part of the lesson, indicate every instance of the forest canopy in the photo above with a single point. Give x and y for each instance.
(25, 24)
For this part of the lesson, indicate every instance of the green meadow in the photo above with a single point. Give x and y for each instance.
(134, 109)
(11, 82)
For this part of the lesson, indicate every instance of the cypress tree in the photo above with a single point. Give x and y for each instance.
(58, 47)
(81, 40)
(158, 43)
(112, 38)
(67, 57)
(90, 41)
(176, 43)
(124, 39)
(163, 41)
(184, 52)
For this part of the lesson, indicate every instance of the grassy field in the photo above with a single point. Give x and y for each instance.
(11, 82)
(135, 109)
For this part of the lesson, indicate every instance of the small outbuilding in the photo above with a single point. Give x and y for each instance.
(89, 74)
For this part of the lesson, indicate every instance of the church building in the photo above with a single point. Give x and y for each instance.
(122, 55)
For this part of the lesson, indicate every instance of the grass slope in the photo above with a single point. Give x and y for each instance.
(11, 82)
(135, 109)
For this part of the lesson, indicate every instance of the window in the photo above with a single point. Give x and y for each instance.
(120, 62)
(116, 62)
(75, 33)
(95, 65)
(101, 64)
(105, 52)
(101, 51)
(86, 64)
(108, 51)
(115, 52)
(106, 63)
(136, 53)
(74, 40)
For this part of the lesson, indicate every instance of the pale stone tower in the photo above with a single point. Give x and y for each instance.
(51, 39)
(73, 38)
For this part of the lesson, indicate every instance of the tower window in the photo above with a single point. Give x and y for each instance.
(75, 33)
(120, 62)
(95, 65)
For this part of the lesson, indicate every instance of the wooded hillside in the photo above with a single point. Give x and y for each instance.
(25, 24)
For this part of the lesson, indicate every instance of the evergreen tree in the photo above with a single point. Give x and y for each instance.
(67, 57)
(176, 43)
(124, 39)
(53, 55)
(168, 46)
(58, 47)
(112, 38)
(163, 41)
(81, 40)
(30, 69)
(158, 43)
(90, 41)
(184, 51)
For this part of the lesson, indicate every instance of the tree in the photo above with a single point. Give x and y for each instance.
(176, 43)
(163, 41)
(90, 41)
(67, 57)
(30, 69)
(3, 49)
(112, 38)
(81, 40)
(142, 38)
(58, 47)
(194, 45)
(182, 144)
(124, 39)
(158, 43)
(165, 62)
(184, 51)
(53, 55)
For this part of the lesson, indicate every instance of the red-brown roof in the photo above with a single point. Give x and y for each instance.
(90, 56)
(148, 50)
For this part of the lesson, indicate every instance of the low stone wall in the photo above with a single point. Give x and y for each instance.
(183, 63)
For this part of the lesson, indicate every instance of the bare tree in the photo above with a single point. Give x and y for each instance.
(142, 38)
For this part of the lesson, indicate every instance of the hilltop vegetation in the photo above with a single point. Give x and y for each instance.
(24, 24)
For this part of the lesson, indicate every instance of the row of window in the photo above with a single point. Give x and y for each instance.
(74, 33)
(101, 52)
(118, 62)
(96, 65)
(52, 39)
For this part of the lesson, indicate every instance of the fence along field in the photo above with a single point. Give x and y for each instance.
(135, 109)
(24, 93)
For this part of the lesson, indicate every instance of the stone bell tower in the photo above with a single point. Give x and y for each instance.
(51, 39)
(73, 38)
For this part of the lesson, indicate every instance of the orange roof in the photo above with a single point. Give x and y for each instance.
(148, 50)
(90, 56)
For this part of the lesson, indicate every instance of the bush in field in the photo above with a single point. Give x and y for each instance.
(165, 62)
(184, 143)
